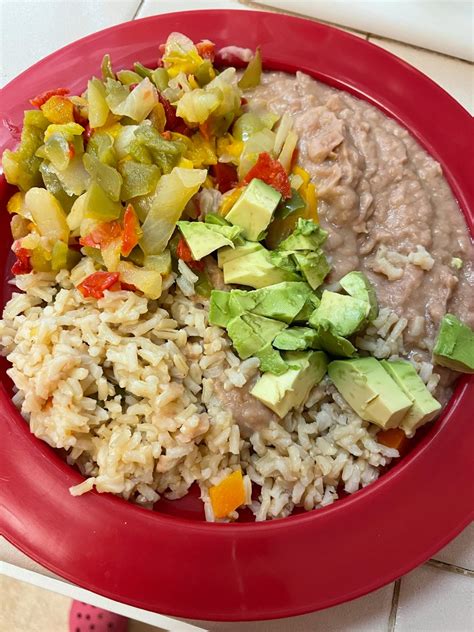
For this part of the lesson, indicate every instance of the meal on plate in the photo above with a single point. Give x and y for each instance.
(230, 278)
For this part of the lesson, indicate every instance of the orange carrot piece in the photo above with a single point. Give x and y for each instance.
(228, 494)
(393, 438)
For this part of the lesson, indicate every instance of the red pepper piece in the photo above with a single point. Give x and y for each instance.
(102, 235)
(206, 49)
(225, 175)
(41, 99)
(95, 284)
(271, 172)
(127, 286)
(173, 123)
(131, 231)
(72, 151)
(22, 264)
(184, 253)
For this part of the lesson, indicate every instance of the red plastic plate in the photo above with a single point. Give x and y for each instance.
(188, 568)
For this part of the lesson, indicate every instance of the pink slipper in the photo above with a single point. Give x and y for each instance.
(86, 618)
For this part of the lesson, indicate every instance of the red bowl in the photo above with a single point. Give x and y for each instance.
(177, 564)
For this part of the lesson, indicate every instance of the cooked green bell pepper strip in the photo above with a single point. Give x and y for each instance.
(138, 179)
(253, 72)
(107, 177)
(21, 167)
(98, 205)
(106, 68)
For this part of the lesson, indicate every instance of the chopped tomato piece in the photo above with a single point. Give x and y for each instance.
(173, 123)
(206, 49)
(127, 286)
(95, 284)
(393, 438)
(41, 99)
(225, 175)
(227, 495)
(102, 235)
(166, 135)
(271, 172)
(205, 131)
(184, 253)
(131, 231)
(22, 264)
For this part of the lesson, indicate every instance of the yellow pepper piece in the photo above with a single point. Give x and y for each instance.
(229, 200)
(16, 204)
(201, 151)
(227, 145)
(176, 62)
(185, 163)
(58, 109)
(208, 183)
(111, 127)
(192, 82)
(73, 129)
(227, 495)
(311, 211)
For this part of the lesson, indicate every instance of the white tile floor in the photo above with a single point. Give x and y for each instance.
(431, 598)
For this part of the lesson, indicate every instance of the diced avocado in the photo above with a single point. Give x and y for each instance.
(346, 314)
(282, 301)
(229, 254)
(358, 285)
(297, 339)
(307, 236)
(281, 393)
(370, 391)
(254, 209)
(271, 360)
(219, 313)
(313, 265)
(203, 239)
(454, 346)
(256, 270)
(332, 343)
(457, 263)
(250, 333)
(213, 218)
(425, 406)
(308, 308)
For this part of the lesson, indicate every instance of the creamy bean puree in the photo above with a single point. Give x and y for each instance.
(384, 200)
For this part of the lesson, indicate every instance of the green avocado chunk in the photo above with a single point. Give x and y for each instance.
(312, 302)
(370, 391)
(358, 285)
(313, 266)
(271, 360)
(297, 339)
(425, 406)
(250, 333)
(225, 255)
(346, 314)
(454, 346)
(282, 301)
(203, 239)
(254, 209)
(283, 392)
(332, 343)
(219, 313)
(256, 270)
(307, 236)
(302, 252)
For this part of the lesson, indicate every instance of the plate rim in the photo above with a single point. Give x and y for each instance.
(467, 385)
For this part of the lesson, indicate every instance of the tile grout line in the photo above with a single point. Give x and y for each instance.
(367, 36)
(138, 9)
(270, 9)
(450, 568)
(392, 618)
